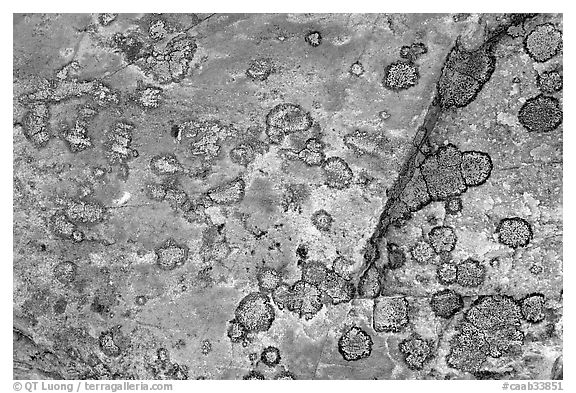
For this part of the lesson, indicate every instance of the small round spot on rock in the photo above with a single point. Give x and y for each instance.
(442, 239)
(390, 314)
(268, 279)
(384, 115)
(322, 220)
(446, 303)
(405, 52)
(171, 255)
(338, 173)
(470, 273)
(536, 269)
(476, 167)
(260, 69)
(541, 114)
(157, 28)
(453, 205)
(400, 75)
(422, 252)
(313, 38)
(242, 154)
(65, 272)
(206, 347)
(416, 350)
(270, 356)
(355, 344)
(77, 236)
(550, 82)
(285, 119)
(446, 273)
(532, 308)
(255, 313)
(304, 299)
(314, 272)
(165, 164)
(514, 232)
(543, 43)
(357, 69)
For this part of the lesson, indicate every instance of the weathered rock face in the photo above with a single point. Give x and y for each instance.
(281, 196)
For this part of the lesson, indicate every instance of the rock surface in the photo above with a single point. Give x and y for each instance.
(191, 190)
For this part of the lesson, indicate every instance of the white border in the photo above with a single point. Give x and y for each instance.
(357, 6)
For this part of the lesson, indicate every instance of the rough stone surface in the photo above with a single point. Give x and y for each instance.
(254, 196)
